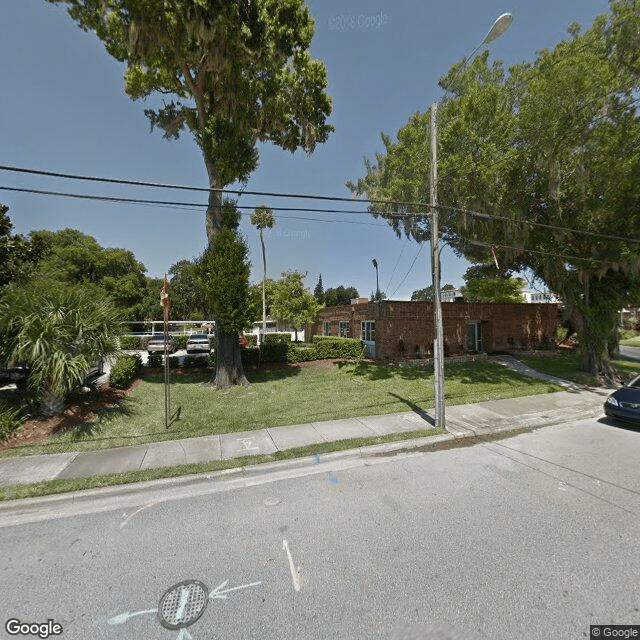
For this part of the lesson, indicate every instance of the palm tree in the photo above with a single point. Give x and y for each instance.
(262, 218)
(58, 331)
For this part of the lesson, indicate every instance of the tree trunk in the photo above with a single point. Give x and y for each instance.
(51, 403)
(229, 369)
(264, 282)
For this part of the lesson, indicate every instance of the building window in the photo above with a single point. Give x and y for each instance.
(326, 331)
(344, 329)
(368, 331)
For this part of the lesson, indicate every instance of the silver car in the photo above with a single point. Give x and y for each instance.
(198, 343)
(156, 344)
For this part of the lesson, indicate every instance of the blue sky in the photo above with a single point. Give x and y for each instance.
(63, 109)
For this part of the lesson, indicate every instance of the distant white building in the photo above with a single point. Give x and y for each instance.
(274, 326)
(450, 295)
(540, 297)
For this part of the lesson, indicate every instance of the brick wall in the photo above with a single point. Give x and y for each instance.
(405, 329)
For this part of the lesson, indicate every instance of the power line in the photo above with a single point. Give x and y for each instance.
(159, 185)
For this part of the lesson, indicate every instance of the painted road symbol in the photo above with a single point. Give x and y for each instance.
(182, 604)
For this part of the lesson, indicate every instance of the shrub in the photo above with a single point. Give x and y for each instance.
(11, 419)
(154, 360)
(273, 352)
(181, 341)
(301, 354)
(191, 361)
(275, 338)
(130, 342)
(250, 357)
(124, 371)
(252, 339)
(174, 361)
(333, 347)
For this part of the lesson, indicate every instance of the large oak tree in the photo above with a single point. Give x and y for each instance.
(540, 163)
(239, 73)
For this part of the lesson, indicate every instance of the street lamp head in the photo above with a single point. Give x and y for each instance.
(501, 24)
(375, 264)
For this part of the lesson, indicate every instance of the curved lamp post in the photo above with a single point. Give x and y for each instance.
(501, 24)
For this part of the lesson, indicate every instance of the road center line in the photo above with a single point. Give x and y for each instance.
(295, 576)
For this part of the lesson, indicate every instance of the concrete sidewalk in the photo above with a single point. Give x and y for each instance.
(461, 421)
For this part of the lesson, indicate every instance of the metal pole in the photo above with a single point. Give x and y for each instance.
(438, 345)
(167, 399)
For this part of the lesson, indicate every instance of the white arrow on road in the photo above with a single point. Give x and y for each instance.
(123, 617)
(221, 594)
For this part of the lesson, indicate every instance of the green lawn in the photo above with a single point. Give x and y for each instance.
(289, 396)
(631, 342)
(566, 366)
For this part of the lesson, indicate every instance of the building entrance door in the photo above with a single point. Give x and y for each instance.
(474, 339)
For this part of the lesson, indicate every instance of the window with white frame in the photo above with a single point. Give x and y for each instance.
(326, 328)
(344, 329)
(368, 330)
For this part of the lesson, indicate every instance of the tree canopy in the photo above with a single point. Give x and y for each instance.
(483, 284)
(18, 255)
(292, 303)
(539, 164)
(336, 296)
(239, 73)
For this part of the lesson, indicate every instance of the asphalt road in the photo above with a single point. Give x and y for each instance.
(531, 537)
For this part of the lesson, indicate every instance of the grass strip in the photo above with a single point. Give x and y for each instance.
(67, 485)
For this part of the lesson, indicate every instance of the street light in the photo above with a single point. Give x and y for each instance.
(375, 264)
(501, 24)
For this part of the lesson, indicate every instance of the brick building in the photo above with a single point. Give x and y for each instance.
(392, 329)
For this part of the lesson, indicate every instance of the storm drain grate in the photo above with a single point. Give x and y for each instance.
(182, 604)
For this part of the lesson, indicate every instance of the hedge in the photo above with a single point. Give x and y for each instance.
(181, 341)
(333, 347)
(130, 342)
(275, 338)
(154, 360)
(124, 370)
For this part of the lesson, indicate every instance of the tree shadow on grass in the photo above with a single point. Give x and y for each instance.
(487, 373)
(372, 371)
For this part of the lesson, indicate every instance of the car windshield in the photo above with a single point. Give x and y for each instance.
(198, 336)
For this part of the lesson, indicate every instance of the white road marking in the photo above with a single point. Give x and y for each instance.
(184, 597)
(295, 576)
(126, 520)
(217, 593)
(123, 617)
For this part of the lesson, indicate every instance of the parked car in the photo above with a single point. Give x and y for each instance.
(156, 344)
(198, 343)
(624, 404)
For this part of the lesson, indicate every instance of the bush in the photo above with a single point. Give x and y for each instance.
(333, 347)
(11, 419)
(181, 341)
(276, 338)
(124, 371)
(174, 361)
(273, 352)
(130, 342)
(250, 357)
(191, 361)
(154, 360)
(301, 354)
(252, 339)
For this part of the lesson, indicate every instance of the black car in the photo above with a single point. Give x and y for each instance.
(624, 404)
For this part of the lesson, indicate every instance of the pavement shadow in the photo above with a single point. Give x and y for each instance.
(417, 409)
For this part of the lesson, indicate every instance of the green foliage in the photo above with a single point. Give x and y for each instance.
(188, 301)
(333, 347)
(252, 339)
(483, 284)
(337, 296)
(130, 342)
(59, 331)
(275, 338)
(538, 166)
(191, 361)
(273, 352)
(11, 419)
(17, 254)
(318, 292)
(251, 357)
(181, 341)
(223, 275)
(124, 370)
(72, 257)
(154, 360)
(292, 303)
